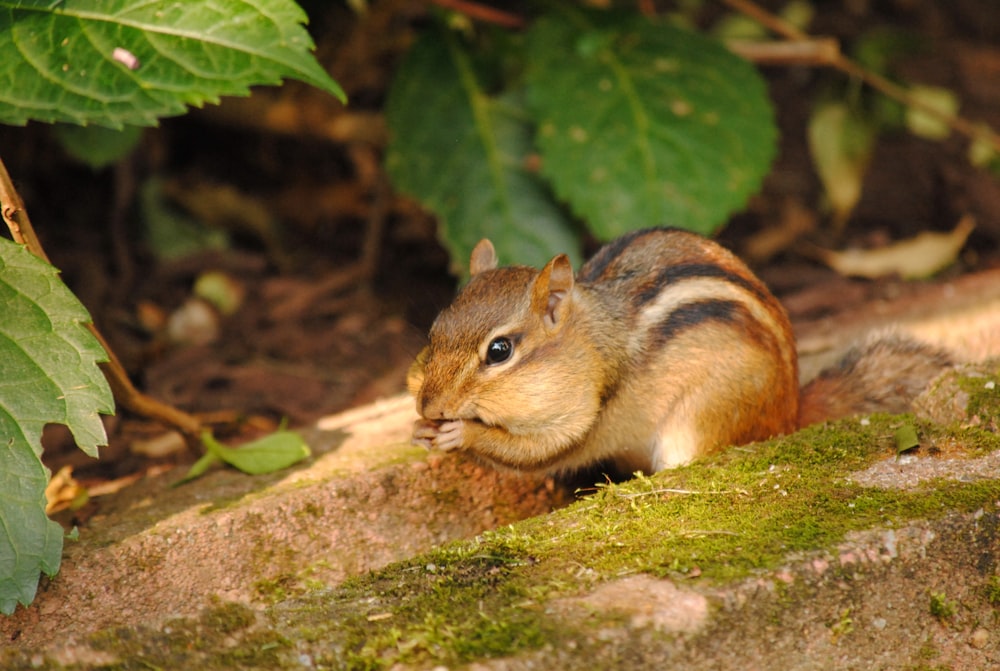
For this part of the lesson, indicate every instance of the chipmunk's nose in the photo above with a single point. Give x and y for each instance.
(431, 408)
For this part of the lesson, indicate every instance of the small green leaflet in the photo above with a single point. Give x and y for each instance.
(117, 62)
(271, 453)
(906, 438)
(841, 143)
(48, 374)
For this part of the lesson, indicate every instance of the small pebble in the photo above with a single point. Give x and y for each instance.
(980, 637)
(194, 323)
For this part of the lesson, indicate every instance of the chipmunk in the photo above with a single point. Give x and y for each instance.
(663, 348)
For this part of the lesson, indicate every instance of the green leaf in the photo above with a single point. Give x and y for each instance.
(982, 151)
(878, 48)
(906, 438)
(96, 146)
(48, 374)
(199, 467)
(841, 143)
(116, 62)
(923, 124)
(463, 153)
(271, 453)
(643, 124)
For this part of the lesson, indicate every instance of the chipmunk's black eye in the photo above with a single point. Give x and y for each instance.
(499, 350)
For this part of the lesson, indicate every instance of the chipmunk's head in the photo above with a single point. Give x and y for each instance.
(491, 350)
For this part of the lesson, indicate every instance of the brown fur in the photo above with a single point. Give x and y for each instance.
(882, 374)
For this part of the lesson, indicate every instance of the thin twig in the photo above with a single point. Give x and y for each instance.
(371, 248)
(482, 13)
(839, 61)
(817, 51)
(772, 22)
(695, 533)
(124, 192)
(16, 217)
(667, 490)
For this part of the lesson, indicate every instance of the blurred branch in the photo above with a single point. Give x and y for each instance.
(836, 59)
(814, 51)
(479, 12)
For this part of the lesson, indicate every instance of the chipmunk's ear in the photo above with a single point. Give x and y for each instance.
(483, 258)
(551, 291)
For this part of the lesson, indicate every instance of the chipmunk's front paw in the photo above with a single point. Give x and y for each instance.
(451, 435)
(444, 436)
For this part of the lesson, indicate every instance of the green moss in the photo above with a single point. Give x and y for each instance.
(274, 589)
(843, 626)
(941, 608)
(928, 651)
(727, 517)
(472, 582)
(984, 395)
(224, 636)
(142, 648)
(310, 510)
(227, 618)
(993, 590)
(259, 650)
(286, 584)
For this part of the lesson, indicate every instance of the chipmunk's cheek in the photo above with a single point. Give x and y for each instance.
(450, 435)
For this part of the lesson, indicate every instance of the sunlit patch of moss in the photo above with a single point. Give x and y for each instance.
(458, 604)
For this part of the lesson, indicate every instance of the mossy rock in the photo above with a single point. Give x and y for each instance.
(773, 554)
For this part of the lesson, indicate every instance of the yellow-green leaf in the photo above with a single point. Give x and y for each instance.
(841, 144)
(906, 438)
(926, 125)
(913, 258)
(271, 453)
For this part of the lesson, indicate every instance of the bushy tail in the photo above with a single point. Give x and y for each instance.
(882, 374)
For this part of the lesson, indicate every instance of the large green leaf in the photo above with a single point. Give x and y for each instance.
(71, 60)
(644, 124)
(463, 153)
(48, 374)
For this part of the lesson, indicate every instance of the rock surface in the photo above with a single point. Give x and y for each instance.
(366, 499)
